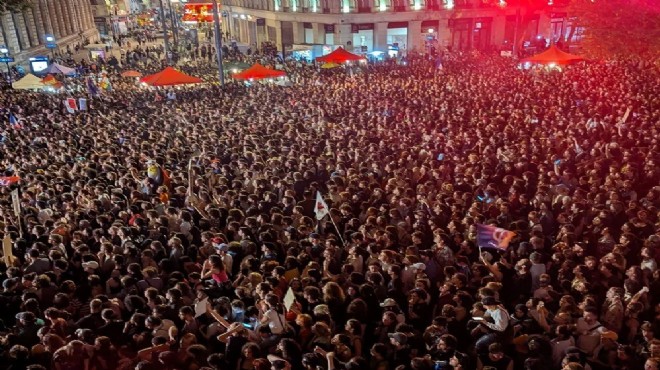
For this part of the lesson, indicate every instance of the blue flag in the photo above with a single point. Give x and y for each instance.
(92, 89)
(13, 121)
(493, 237)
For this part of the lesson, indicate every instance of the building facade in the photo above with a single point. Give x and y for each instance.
(68, 22)
(385, 25)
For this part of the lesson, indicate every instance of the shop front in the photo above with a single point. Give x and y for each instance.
(397, 38)
(363, 37)
(429, 32)
(329, 34)
(481, 33)
(460, 33)
(309, 33)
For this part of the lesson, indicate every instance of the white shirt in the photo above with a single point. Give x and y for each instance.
(500, 319)
(274, 322)
(649, 264)
(591, 339)
(228, 260)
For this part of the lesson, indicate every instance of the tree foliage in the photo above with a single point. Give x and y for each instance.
(14, 5)
(618, 28)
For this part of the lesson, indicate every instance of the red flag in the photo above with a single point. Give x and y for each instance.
(71, 105)
(9, 180)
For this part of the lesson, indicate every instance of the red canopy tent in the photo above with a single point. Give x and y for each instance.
(257, 72)
(553, 55)
(340, 55)
(169, 76)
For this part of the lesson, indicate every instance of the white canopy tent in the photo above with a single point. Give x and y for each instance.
(28, 82)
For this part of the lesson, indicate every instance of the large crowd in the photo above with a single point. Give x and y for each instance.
(176, 228)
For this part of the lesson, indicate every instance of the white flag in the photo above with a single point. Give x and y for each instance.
(321, 208)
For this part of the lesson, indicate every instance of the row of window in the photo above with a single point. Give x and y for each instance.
(352, 6)
(368, 6)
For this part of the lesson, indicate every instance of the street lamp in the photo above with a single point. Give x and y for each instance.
(6, 58)
(165, 37)
(51, 43)
(218, 42)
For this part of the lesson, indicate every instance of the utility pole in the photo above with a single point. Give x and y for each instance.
(175, 27)
(516, 30)
(218, 41)
(165, 38)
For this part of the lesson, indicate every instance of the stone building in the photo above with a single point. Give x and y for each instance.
(70, 22)
(404, 25)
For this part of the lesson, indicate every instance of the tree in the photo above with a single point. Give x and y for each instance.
(14, 5)
(618, 28)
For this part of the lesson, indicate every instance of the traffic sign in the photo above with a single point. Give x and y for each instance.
(51, 45)
(6, 59)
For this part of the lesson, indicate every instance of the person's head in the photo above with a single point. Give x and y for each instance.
(354, 327)
(590, 315)
(19, 353)
(378, 351)
(447, 343)
(398, 339)
(389, 318)
(250, 350)
(573, 366)
(647, 331)
(495, 351)
(103, 344)
(652, 363)
(654, 348)
(490, 303)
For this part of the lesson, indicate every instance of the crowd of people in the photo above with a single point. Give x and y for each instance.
(177, 229)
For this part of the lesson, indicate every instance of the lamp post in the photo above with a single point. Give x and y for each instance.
(516, 31)
(165, 38)
(6, 58)
(51, 44)
(218, 41)
(175, 26)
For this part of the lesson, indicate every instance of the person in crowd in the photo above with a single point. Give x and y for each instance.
(336, 223)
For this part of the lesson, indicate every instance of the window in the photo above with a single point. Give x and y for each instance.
(311, 6)
(326, 5)
(364, 6)
(399, 5)
(383, 5)
(416, 4)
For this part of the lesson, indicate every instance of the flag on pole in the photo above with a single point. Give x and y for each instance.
(13, 122)
(92, 89)
(70, 104)
(489, 236)
(9, 180)
(82, 103)
(321, 207)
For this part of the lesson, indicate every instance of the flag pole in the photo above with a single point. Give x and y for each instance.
(336, 228)
(320, 201)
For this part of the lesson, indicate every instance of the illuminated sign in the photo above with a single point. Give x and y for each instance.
(198, 13)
